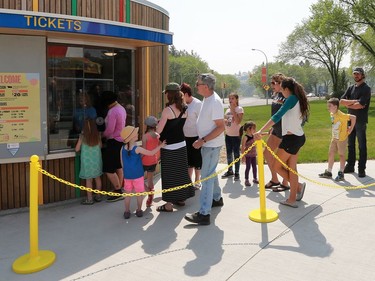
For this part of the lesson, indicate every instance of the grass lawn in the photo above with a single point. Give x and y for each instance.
(317, 130)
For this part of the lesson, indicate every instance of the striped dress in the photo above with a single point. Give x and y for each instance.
(174, 165)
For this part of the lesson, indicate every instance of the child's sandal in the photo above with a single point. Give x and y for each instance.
(87, 202)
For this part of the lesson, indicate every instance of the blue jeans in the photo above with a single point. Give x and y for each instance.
(359, 132)
(210, 188)
(232, 144)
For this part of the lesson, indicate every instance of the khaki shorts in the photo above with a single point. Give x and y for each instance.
(338, 146)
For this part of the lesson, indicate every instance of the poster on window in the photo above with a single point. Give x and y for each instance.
(19, 107)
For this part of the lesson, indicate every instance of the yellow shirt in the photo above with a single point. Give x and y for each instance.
(340, 125)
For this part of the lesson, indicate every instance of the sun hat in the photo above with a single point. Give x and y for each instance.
(151, 121)
(128, 133)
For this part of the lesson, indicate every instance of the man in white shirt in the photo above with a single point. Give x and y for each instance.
(210, 127)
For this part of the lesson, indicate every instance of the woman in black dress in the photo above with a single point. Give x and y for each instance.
(174, 165)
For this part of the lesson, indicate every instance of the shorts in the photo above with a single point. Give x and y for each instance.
(292, 143)
(111, 156)
(338, 146)
(194, 155)
(149, 168)
(138, 185)
(276, 130)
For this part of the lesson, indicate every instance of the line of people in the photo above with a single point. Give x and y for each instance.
(190, 130)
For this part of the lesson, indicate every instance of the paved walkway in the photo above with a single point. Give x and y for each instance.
(329, 237)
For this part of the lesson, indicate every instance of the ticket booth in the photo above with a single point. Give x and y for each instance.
(54, 54)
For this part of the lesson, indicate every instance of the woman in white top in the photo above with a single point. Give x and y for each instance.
(293, 114)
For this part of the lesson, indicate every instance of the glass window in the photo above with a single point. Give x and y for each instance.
(77, 76)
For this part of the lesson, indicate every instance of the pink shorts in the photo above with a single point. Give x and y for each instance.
(137, 184)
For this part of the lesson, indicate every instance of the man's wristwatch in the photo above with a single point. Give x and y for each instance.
(203, 140)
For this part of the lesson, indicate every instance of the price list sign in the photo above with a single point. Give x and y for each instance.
(19, 107)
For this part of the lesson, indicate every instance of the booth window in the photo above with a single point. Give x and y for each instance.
(77, 76)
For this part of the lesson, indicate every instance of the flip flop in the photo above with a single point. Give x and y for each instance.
(286, 203)
(280, 188)
(271, 184)
(300, 194)
(163, 209)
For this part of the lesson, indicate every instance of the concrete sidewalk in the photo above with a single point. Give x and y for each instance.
(329, 237)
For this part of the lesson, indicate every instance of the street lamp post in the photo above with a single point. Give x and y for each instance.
(266, 71)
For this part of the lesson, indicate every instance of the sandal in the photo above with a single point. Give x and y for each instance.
(179, 203)
(98, 198)
(280, 188)
(162, 208)
(271, 184)
(286, 203)
(301, 193)
(87, 202)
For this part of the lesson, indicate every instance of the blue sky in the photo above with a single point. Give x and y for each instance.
(224, 32)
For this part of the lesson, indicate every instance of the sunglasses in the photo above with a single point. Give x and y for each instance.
(199, 84)
(274, 83)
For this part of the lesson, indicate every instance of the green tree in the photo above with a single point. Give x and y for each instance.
(316, 41)
(304, 72)
(231, 83)
(185, 67)
(356, 20)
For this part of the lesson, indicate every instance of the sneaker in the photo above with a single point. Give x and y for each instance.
(115, 198)
(197, 186)
(198, 218)
(218, 203)
(236, 177)
(126, 215)
(361, 173)
(340, 176)
(139, 213)
(348, 169)
(247, 183)
(255, 181)
(326, 175)
(227, 174)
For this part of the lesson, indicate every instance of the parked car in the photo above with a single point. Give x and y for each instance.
(310, 95)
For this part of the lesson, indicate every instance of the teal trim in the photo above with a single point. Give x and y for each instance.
(74, 7)
(127, 11)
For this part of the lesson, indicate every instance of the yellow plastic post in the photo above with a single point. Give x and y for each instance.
(262, 214)
(35, 260)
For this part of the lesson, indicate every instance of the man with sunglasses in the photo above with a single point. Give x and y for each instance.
(357, 100)
(210, 127)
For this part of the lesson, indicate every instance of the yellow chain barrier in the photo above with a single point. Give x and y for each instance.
(153, 192)
(312, 180)
(145, 193)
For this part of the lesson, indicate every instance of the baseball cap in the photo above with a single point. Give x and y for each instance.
(151, 121)
(172, 87)
(359, 70)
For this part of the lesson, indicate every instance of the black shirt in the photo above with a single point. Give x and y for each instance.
(363, 94)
